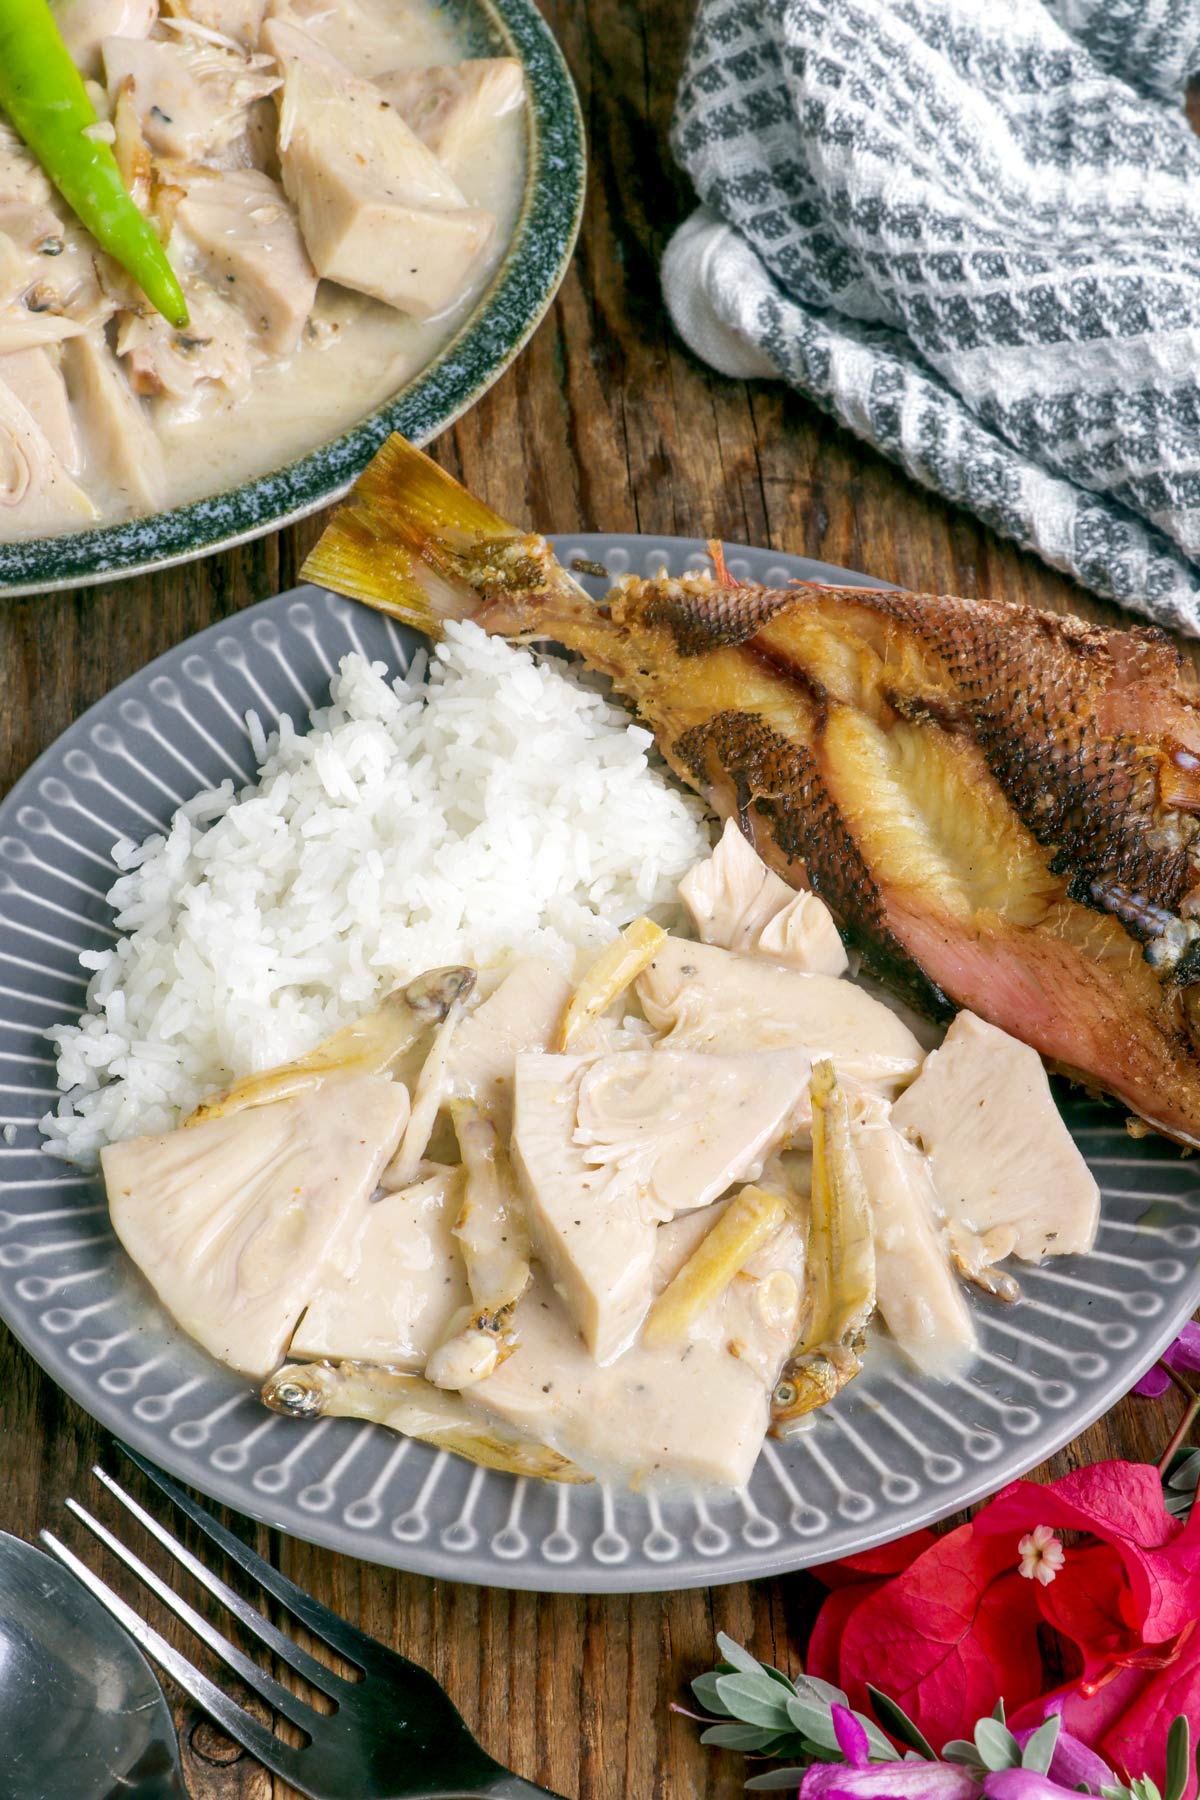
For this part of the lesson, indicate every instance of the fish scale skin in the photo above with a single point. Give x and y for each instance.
(781, 780)
(1024, 686)
(703, 615)
(1093, 798)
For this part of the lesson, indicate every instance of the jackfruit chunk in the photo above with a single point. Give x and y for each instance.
(607, 1148)
(920, 1299)
(236, 1223)
(691, 1410)
(737, 903)
(983, 1112)
(398, 1281)
(712, 1000)
(377, 210)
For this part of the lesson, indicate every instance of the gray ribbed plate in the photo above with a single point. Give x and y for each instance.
(893, 1453)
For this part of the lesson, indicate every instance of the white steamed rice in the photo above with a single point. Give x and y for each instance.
(495, 806)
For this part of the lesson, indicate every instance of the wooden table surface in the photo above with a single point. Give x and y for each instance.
(604, 422)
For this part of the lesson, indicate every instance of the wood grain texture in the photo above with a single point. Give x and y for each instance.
(604, 422)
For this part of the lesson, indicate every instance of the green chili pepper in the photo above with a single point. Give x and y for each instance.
(43, 94)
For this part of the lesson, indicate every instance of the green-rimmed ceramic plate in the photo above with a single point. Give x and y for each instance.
(501, 322)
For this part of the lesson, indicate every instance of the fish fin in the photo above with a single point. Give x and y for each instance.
(408, 541)
(716, 551)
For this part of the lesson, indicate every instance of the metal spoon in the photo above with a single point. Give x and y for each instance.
(81, 1713)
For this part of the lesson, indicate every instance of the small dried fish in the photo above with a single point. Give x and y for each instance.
(429, 1096)
(368, 1046)
(409, 1404)
(841, 1264)
(490, 1227)
(494, 1240)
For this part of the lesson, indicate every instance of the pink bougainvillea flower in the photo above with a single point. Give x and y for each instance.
(1137, 1739)
(1041, 1554)
(947, 1626)
(1184, 1353)
(1130, 1603)
(824, 1654)
(870, 1565)
(1093, 1605)
(945, 1637)
(1121, 1503)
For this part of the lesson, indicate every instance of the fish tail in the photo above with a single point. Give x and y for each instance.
(411, 541)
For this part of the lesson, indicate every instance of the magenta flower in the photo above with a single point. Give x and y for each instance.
(1073, 1765)
(895, 1781)
(1023, 1784)
(1184, 1353)
(851, 1735)
(860, 1779)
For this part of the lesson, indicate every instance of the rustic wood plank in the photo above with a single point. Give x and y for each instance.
(604, 422)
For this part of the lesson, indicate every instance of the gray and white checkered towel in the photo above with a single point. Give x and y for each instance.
(970, 229)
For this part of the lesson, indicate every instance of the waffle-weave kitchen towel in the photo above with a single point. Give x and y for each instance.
(970, 229)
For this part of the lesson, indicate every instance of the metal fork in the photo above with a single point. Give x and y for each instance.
(393, 1735)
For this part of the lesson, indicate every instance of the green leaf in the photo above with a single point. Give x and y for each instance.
(737, 1737)
(881, 1748)
(755, 1699)
(999, 1713)
(813, 1720)
(893, 1718)
(737, 1657)
(779, 1676)
(823, 1693)
(960, 1750)
(791, 1744)
(1185, 1472)
(1038, 1753)
(1179, 1759)
(1115, 1792)
(705, 1689)
(997, 1747)
(1144, 1789)
(776, 1778)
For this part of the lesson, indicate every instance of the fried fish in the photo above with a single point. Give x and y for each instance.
(1001, 807)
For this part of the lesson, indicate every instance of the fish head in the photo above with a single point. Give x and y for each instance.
(299, 1390)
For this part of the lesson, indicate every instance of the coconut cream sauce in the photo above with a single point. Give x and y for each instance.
(362, 351)
(356, 352)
